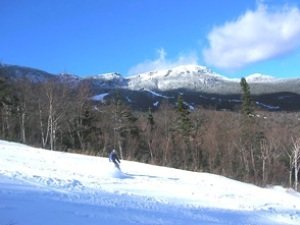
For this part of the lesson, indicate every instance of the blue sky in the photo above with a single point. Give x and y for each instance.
(87, 37)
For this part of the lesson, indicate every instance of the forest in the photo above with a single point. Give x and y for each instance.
(246, 144)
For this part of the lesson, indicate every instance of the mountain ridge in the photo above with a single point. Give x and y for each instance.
(199, 85)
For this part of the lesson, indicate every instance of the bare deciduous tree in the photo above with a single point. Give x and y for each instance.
(294, 156)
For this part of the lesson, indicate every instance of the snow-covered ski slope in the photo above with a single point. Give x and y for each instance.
(40, 187)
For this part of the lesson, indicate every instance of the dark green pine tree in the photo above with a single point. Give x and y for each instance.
(150, 119)
(184, 130)
(247, 108)
(251, 135)
(184, 124)
(8, 108)
(149, 132)
(5, 92)
(124, 123)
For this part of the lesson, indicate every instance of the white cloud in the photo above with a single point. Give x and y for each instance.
(255, 36)
(161, 62)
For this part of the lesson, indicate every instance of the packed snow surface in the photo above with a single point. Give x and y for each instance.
(41, 187)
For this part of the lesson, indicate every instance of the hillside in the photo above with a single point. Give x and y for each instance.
(199, 85)
(46, 187)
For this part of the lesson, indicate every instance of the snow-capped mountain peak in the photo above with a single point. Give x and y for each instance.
(177, 71)
(260, 78)
(107, 76)
(180, 77)
(191, 68)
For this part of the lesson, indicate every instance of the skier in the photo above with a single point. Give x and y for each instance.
(113, 157)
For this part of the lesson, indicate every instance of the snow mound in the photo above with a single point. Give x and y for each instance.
(116, 173)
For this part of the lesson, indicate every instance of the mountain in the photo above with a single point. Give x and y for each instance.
(201, 79)
(20, 72)
(107, 80)
(202, 87)
(199, 86)
(39, 186)
(190, 77)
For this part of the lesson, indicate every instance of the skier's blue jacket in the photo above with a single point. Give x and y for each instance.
(114, 157)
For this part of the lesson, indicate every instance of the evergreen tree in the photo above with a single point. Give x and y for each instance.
(251, 136)
(5, 92)
(183, 129)
(8, 109)
(246, 98)
(184, 124)
(150, 119)
(149, 132)
(124, 123)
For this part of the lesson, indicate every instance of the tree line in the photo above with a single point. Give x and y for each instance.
(249, 145)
